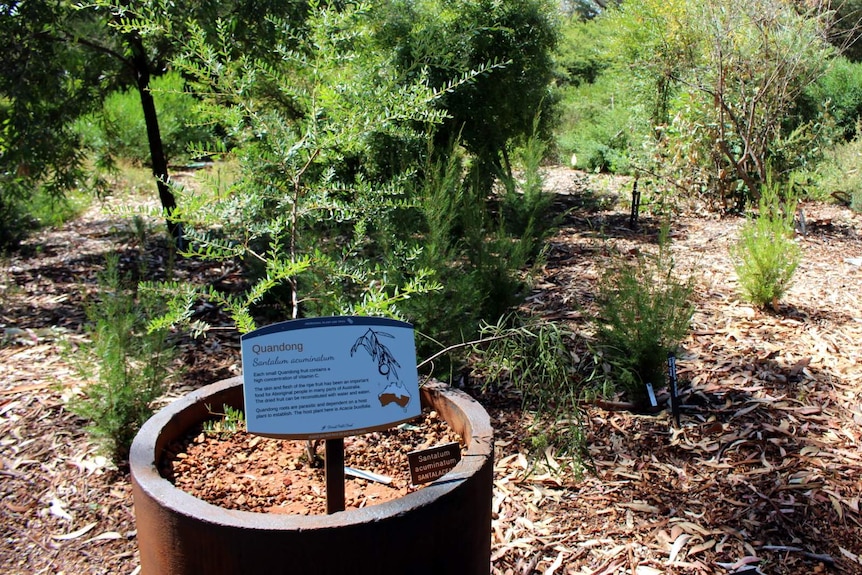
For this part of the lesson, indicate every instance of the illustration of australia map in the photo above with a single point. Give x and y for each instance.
(394, 391)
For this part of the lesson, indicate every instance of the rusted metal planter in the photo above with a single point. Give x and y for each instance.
(443, 528)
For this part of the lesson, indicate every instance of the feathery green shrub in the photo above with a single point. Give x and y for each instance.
(131, 364)
(765, 256)
(644, 313)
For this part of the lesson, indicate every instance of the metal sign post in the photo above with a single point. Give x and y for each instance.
(334, 467)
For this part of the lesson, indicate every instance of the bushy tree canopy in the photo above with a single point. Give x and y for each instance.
(446, 37)
(45, 82)
(61, 59)
(719, 78)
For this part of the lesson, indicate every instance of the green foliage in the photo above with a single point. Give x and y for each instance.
(741, 68)
(656, 42)
(844, 31)
(766, 257)
(230, 421)
(311, 213)
(644, 313)
(50, 211)
(440, 38)
(341, 203)
(20, 216)
(839, 176)
(133, 364)
(599, 125)
(701, 94)
(525, 203)
(14, 224)
(62, 58)
(477, 257)
(43, 83)
(445, 214)
(119, 130)
(607, 105)
(836, 95)
(582, 55)
(534, 356)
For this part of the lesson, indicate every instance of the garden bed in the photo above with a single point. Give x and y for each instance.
(764, 471)
(238, 470)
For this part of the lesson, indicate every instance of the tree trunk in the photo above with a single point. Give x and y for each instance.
(159, 163)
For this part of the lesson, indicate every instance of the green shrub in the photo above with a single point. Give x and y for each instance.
(14, 224)
(525, 202)
(120, 132)
(765, 256)
(345, 202)
(477, 258)
(132, 364)
(534, 355)
(51, 211)
(719, 79)
(644, 313)
(598, 125)
(838, 175)
(838, 94)
(445, 37)
(597, 119)
(582, 54)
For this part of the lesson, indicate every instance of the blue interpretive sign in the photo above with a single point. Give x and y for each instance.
(329, 377)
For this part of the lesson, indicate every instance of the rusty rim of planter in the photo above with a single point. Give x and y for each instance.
(464, 414)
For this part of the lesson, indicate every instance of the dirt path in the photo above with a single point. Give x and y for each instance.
(765, 471)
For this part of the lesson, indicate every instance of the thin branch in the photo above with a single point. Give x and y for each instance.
(66, 37)
(459, 346)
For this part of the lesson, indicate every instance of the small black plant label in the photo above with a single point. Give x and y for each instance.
(426, 465)
(329, 377)
(674, 386)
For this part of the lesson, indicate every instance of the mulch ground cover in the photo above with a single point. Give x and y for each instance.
(763, 474)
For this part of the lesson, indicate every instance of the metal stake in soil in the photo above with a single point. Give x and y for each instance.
(636, 206)
(672, 384)
(334, 467)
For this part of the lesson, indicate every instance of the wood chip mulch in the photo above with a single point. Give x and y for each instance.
(763, 475)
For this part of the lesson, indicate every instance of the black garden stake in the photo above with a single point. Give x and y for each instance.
(672, 384)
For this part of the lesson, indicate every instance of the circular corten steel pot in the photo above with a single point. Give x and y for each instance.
(442, 529)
